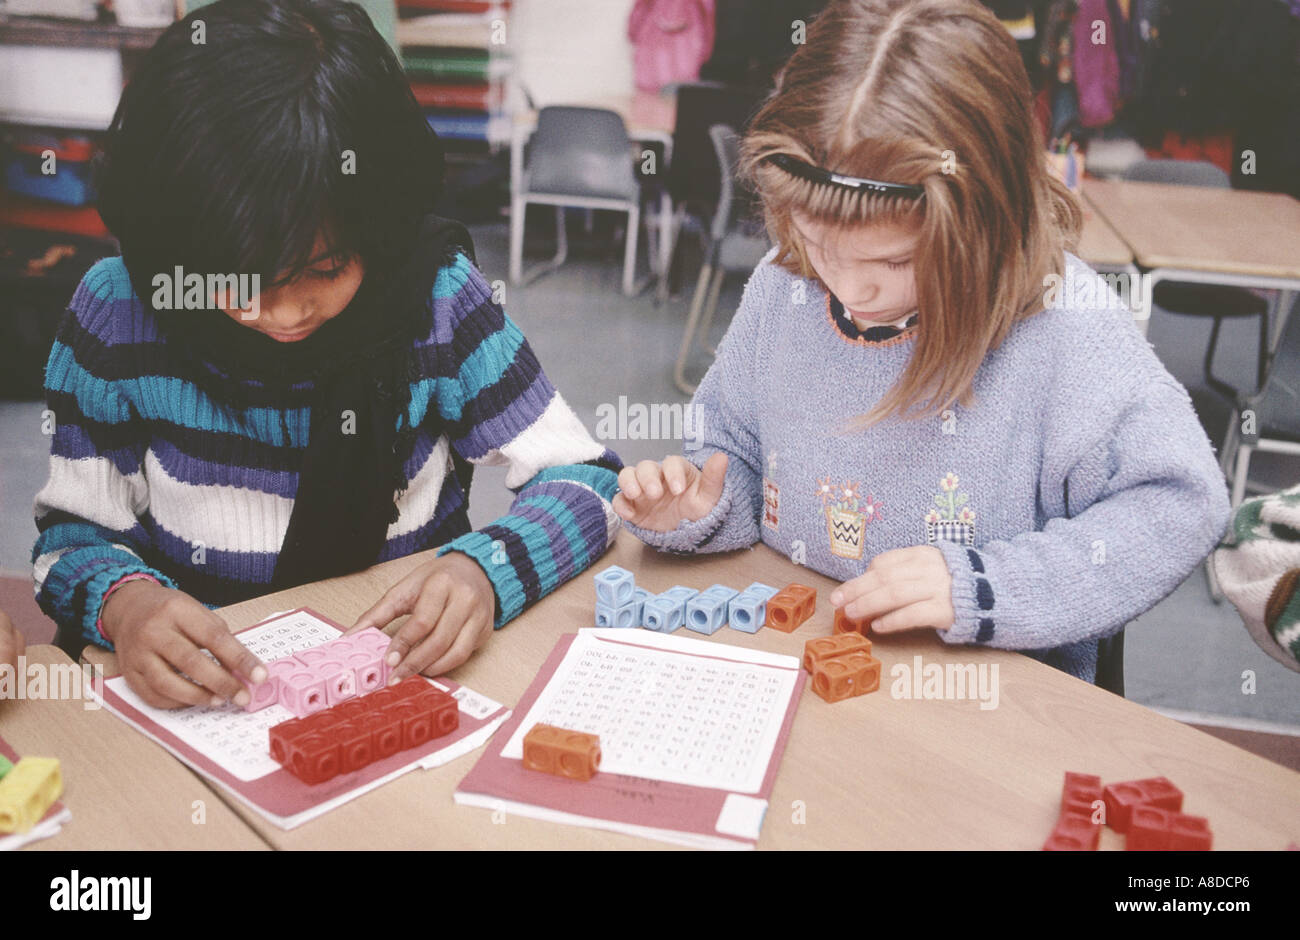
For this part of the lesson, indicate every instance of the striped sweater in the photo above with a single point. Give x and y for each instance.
(148, 476)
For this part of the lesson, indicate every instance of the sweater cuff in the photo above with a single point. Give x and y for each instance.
(505, 582)
(973, 600)
(689, 536)
(101, 585)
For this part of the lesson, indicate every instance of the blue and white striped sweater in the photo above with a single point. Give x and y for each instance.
(147, 474)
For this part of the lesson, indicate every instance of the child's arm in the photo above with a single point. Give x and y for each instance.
(499, 409)
(1146, 503)
(92, 545)
(12, 643)
(722, 421)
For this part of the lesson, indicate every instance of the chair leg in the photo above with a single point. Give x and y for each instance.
(561, 239)
(629, 251)
(1243, 471)
(517, 209)
(1261, 374)
(1213, 381)
(1231, 439)
(710, 307)
(672, 229)
(692, 324)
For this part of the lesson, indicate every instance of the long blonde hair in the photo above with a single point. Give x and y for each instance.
(933, 93)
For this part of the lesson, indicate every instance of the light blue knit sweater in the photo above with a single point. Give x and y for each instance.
(1077, 490)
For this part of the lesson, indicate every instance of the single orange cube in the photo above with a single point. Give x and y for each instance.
(790, 607)
(824, 647)
(846, 624)
(562, 752)
(845, 676)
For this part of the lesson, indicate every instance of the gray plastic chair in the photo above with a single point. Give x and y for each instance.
(1205, 300)
(736, 244)
(581, 158)
(1275, 408)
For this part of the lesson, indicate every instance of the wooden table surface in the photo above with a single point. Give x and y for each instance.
(1226, 231)
(124, 791)
(1099, 243)
(872, 772)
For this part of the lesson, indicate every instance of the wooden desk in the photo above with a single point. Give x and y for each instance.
(1204, 235)
(124, 791)
(1099, 243)
(872, 772)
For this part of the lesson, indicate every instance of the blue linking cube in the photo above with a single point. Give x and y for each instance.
(679, 593)
(663, 614)
(706, 613)
(720, 591)
(615, 587)
(747, 611)
(629, 615)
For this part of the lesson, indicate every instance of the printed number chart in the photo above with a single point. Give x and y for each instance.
(703, 720)
(229, 745)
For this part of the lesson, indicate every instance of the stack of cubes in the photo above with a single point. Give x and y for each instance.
(352, 734)
(315, 679)
(1148, 811)
(841, 666)
(620, 603)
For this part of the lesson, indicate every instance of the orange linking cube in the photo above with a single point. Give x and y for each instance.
(559, 751)
(790, 607)
(846, 624)
(841, 666)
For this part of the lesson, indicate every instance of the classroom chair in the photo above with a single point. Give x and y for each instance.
(688, 194)
(1219, 302)
(1276, 425)
(579, 158)
(736, 244)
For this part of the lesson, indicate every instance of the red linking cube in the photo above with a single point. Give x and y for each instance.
(1121, 798)
(1149, 811)
(1152, 829)
(360, 731)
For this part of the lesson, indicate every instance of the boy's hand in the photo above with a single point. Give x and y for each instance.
(452, 607)
(903, 589)
(161, 633)
(12, 643)
(659, 498)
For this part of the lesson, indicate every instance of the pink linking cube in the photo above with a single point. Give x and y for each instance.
(268, 692)
(303, 692)
(340, 680)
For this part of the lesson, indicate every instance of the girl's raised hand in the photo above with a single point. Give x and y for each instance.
(161, 633)
(903, 589)
(452, 608)
(660, 497)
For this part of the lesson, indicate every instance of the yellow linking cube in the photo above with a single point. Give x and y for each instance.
(28, 791)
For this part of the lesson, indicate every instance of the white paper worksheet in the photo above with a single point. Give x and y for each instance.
(669, 708)
(236, 739)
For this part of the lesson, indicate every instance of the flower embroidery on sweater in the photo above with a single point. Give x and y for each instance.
(952, 520)
(849, 510)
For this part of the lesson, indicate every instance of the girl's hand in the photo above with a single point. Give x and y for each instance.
(903, 589)
(660, 498)
(452, 607)
(12, 643)
(161, 633)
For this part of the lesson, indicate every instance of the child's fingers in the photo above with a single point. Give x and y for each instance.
(627, 483)
(182, 651)
(926, 613)
(424, 618)
(143, 687)
(457, 610)
(623, 507)
(649, 476)
(889, 596)
(159, 673)
(237, 658)
(678, 474)
(712, 480)
(467, 641)
(854, 588)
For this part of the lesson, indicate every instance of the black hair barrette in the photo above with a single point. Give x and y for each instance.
(816, 174)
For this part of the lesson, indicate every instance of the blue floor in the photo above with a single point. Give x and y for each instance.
(1186, 654)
